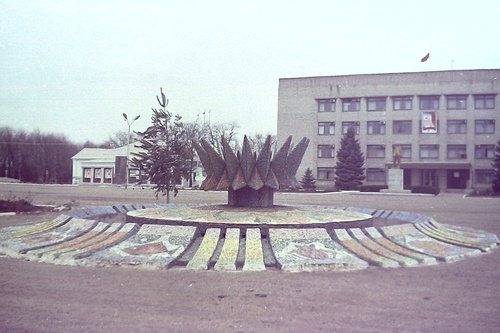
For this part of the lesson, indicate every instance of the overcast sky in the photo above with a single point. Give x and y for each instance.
(73, 67)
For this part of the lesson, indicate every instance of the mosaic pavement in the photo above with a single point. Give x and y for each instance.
(97, 236)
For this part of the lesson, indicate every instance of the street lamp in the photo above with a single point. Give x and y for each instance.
(129, 123)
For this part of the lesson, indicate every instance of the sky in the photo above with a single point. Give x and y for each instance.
(73, 67)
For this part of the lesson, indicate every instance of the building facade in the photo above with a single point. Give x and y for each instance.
(108, 166)
(443, 123)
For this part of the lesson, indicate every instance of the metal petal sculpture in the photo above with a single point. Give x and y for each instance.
(250, 179)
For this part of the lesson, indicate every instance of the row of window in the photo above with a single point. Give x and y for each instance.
(426, 151)
(453, 126)
(482, 176)
(402, 103)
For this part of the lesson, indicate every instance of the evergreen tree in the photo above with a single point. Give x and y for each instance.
(496, 175)
(349, 171)
(166, 153)
(308, 182)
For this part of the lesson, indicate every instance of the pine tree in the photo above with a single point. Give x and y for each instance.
(349, 171)
(165, 151)
(496, 174)
(308, 182)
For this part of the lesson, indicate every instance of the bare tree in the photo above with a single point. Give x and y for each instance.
(213, 133)
(35, 157)
(257, 141)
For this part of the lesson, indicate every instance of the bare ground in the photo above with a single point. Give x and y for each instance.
(456, 297)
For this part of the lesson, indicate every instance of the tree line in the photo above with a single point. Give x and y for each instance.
(37, 157)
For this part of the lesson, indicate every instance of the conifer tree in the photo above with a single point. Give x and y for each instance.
(308, 182)
(165, 154)
(349, 171)
(496, 173)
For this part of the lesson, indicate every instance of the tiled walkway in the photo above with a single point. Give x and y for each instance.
(83, 237)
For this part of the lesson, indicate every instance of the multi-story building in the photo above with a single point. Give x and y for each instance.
(443, 122)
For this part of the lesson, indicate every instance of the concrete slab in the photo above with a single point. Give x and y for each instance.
(298, 250)
(66, 232)
(408, 236)
(254, 256)
(207, 247)
(152, 247)
(362, 252)
(229, 254)
(381, 250)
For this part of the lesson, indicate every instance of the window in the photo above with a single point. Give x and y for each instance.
(429, 102)
(457, 126)
(375, 127)
(326, 105)
(429, 151)
(484, 176)
(484, 126)
(87, 175)
(405, 150)
(326, 151)
(351, 104)
(97, 175)
(456, 152)
(326, 128)
(326, 174)
(108, 175)
(456, 102)
(375, 175)
(376, 103)
(402, 102)
(375, 151)
(484, 152)
(347, 124)
(430, 177)
(401, 127)
(134, 175)
(484, 101)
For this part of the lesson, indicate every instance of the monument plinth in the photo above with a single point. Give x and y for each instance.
(395, 180)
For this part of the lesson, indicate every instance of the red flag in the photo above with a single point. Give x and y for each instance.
(424, 59)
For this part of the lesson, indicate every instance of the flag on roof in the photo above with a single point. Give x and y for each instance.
(424, 59)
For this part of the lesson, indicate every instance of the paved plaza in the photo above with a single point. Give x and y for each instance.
(419, 248)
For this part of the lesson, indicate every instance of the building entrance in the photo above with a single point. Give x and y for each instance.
(457, 179)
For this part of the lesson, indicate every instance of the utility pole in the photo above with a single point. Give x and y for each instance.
(129, 123)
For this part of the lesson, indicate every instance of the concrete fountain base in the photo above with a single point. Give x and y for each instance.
(236, 240)
(224, 216)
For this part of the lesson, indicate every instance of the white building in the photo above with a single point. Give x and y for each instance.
(108, 166)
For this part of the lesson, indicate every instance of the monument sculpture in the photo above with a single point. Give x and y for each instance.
(395, 175)
(250, 179)
(396, 157)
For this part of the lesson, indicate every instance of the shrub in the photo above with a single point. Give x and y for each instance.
(372, 188)
(308, 182)
(425, 189)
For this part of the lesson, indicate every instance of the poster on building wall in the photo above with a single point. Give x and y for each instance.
(97, 173)
(429, 123)
(108, 173)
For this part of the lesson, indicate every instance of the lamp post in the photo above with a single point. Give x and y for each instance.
(129, 123)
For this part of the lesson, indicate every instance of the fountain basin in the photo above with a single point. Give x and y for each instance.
(276, 217)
